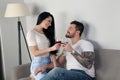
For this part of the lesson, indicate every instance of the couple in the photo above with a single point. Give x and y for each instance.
(79, 55)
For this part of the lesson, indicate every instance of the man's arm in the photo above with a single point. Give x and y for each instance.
(53, 59)
(61, 60)
(86, 59)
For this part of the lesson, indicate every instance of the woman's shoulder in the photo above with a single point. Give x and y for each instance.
(31, 32)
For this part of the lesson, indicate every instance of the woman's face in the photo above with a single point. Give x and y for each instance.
(46, 22)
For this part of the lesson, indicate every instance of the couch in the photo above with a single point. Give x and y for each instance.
(107, 66)
(21, 72)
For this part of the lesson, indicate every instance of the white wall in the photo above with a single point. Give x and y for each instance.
(9, 36)
(101, 16)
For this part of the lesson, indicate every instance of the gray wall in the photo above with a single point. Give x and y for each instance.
(8, 33)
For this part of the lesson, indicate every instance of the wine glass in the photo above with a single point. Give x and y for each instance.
(58, 40)
(61, 40)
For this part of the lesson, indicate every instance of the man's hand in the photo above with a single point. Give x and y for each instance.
(40, 69)
(67, 47)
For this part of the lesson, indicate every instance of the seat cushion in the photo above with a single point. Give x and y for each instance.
(26, 78)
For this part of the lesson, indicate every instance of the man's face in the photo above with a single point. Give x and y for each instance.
(71, 31)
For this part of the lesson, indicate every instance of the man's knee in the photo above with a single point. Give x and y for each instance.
(52, 75)
(58, 69)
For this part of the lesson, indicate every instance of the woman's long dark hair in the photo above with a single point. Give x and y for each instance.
(50, 32)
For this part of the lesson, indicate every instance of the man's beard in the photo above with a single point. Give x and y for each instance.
(69, 36)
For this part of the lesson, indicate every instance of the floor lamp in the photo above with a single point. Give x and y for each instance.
(18, 10)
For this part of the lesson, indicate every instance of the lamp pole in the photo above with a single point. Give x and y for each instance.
(19, 42)
(20, 29)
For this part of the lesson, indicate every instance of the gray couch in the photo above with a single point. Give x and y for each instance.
(107, 66)
(21, 72)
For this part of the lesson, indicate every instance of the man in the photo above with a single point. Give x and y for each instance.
(79, 58)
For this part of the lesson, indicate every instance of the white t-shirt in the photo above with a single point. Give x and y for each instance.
(72, 63)
(36, 39)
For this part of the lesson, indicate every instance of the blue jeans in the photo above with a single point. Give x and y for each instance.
(37, 62)
(63, 74)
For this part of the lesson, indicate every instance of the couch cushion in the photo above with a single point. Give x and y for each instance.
(26, 78)
(21, 71)
(108, 64)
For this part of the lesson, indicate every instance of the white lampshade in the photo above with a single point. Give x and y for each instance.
(16, 10)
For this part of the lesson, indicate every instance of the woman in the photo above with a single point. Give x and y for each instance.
(41, 42)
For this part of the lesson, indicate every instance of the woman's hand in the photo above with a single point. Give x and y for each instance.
(55, 47)
(40, 69)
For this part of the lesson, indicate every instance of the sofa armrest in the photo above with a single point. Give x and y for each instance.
(21, 71)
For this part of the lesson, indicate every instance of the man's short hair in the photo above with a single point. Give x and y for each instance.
(79, 26)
